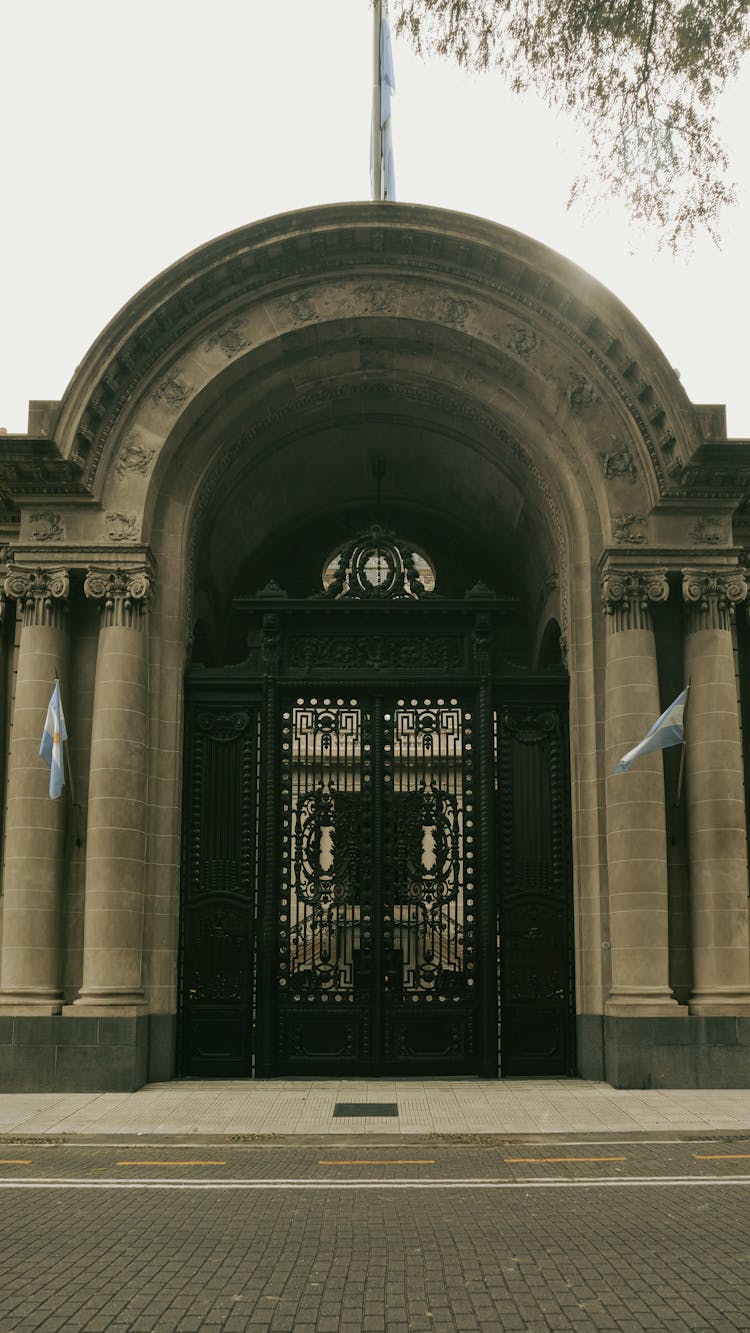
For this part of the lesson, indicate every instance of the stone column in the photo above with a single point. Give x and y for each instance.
(715, 796)
(636, 829)
(116, 826)
(30, 971)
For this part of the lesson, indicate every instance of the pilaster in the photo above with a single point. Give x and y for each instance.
(715, 795)
(636, 826)
(30, 965)
(116, 835)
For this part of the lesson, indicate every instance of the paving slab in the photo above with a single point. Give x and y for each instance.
(269, 1108)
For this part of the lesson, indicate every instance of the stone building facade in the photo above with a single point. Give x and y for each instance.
(376, 391)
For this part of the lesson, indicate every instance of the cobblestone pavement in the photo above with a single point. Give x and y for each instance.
(336, 1237)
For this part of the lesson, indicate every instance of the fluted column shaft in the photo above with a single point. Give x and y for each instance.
(116, 829)
(30, 969)
(636, 827)
(717, 840)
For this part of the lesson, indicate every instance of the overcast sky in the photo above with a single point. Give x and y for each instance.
(133, 133)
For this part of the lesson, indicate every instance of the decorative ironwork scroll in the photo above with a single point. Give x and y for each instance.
(376, 565)
(429, 908)
(325, 917)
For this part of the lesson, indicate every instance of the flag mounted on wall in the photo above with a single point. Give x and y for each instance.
(669, 729)
(51, 748)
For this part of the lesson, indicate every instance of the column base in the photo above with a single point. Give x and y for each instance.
(721, 1003)
(643, 1002)
(100, 1009)
(30, 1004)
(94, 1002)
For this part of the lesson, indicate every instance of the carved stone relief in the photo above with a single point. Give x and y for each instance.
(452, 310)
(618, 463)
(376, 299)
(581, 394)
(623, 525)
(301, 309)
(46, 526)
(133, 456)
(231, 338)
(706, 531)
(173, 390)
(122, 527)
(524, 341)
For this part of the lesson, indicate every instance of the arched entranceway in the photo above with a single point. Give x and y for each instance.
(528, 437)
(377, 869)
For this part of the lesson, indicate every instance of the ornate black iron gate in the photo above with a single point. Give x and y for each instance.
(376, 955)
(371, 872)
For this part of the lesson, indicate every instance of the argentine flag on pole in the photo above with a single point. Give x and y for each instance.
(669, 729)
(382, 172)
(52, 742)
(387, 89)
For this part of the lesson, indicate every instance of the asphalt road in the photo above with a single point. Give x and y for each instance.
(591, 1235)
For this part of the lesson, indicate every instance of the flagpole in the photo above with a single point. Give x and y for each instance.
(682, 747)
(377, 129)
(71, 788)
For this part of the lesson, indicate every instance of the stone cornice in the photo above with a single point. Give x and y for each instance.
(31, 467)
(673, 558)
(81, 557)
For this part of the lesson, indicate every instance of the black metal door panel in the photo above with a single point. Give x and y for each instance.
(536, 957)
(219, 863)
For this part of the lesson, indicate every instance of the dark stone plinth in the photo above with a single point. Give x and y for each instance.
(67, 1053)
(162, 1048)
(590, 1046)
(687, 1052)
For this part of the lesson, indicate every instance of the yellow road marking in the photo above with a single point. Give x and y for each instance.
(162, 1162)
(565, 1159)
(719, 1156)
(15, 1161)
(390, 1161)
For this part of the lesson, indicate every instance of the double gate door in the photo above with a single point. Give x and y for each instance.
(376, 961)
(368, 878)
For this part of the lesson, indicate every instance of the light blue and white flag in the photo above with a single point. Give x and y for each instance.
(669, 729)
(387, 89)
(51, 748)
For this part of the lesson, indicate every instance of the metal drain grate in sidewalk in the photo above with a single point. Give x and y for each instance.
(365, 1108)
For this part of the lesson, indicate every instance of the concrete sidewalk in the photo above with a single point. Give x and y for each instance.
(467, 1107)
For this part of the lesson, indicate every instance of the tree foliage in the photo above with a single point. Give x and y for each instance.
(641, 76)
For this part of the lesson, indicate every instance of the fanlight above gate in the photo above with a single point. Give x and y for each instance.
(378, 564)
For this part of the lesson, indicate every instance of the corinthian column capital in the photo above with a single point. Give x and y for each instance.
(42, 594)
(628, 594)
(124, 594)
(711, 595)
